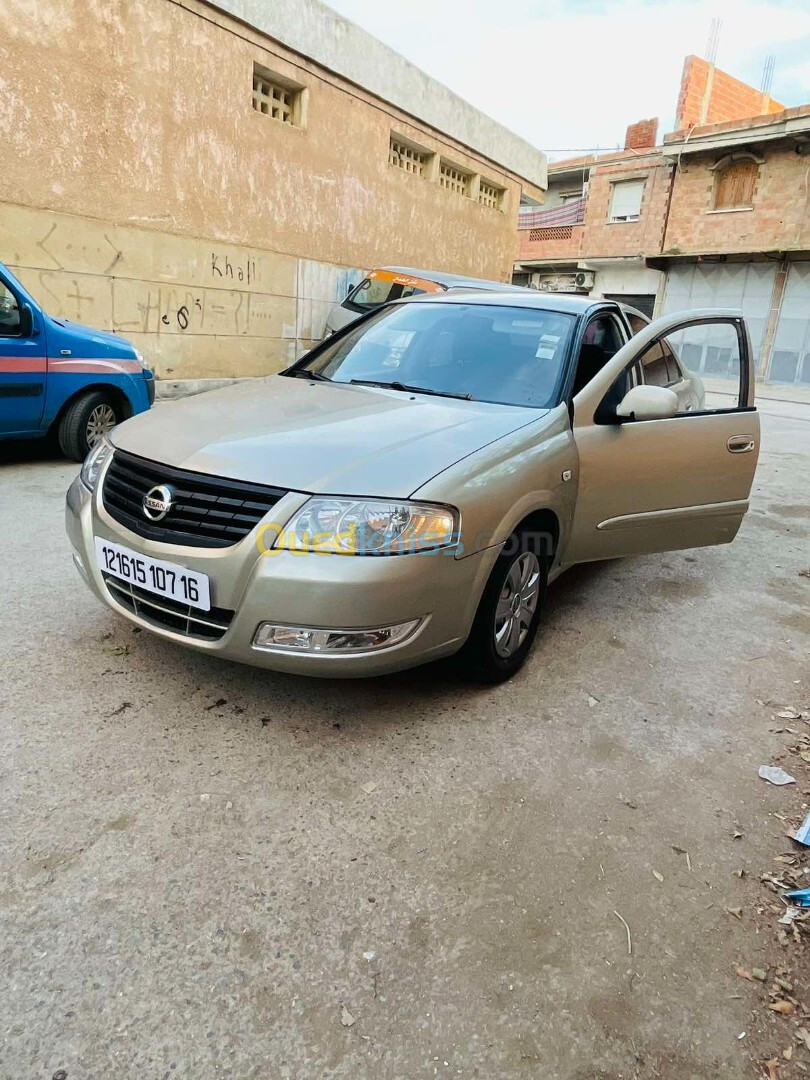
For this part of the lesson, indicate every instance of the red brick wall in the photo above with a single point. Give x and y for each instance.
(603, 238)
(710, 96)
(779, 219)
(564, 249)
(599, 238)
(641, 135)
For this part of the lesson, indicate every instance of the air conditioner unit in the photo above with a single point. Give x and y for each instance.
(579, 282)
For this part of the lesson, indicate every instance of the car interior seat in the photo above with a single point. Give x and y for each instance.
(592, 358)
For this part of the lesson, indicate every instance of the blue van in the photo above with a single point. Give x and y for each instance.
(57, 376)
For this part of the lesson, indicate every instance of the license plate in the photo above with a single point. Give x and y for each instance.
(154, 575)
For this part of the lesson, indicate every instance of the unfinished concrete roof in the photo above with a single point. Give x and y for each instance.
(767, 127)
(321, 34)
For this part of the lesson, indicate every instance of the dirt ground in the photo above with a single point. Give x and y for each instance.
(207, 870)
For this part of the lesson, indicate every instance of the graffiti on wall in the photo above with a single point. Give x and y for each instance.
(140, 282)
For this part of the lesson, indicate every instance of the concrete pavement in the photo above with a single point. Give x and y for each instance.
(211, 871)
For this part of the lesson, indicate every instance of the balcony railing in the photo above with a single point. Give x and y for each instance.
(553, 224)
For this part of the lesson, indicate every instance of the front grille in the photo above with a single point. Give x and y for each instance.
(162, 611)
(207, 511)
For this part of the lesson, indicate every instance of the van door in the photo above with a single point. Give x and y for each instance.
(23, 364)
(681, 480)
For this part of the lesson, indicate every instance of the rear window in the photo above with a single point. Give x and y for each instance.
(383, 286)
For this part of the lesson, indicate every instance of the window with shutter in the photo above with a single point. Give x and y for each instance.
(734, 185)
(625, 200)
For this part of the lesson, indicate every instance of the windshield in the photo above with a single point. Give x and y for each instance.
(506, 355)
(382, 286)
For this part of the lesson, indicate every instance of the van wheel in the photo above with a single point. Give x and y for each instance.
(508, 615)
(86, 420)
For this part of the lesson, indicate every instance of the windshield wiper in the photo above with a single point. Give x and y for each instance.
(306, 373)
(409, 389)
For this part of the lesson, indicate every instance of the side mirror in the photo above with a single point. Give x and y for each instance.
(26, 320)
(648, 403)
(350, 288)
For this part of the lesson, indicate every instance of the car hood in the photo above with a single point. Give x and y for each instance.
(318, 437)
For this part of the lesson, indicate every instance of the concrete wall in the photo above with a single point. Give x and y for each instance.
(556, 190)
(134, 166)
(195, 308)
(622, 278)
(312, 28)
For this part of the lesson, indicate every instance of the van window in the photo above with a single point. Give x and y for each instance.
(9, 313)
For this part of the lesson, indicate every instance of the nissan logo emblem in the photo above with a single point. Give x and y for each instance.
(157, 502)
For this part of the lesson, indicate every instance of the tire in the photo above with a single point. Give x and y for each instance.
(500, 640)
(85, 421)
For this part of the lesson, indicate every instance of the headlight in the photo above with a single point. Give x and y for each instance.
(139, 358)
(93, 463)
(369, 527)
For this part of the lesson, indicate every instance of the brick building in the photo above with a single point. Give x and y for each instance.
(716, 216)
(738, 232)
(601, 219)
(711, 96)
(602, 216)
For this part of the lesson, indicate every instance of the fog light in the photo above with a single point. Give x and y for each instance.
(273, 636)
(286, 637)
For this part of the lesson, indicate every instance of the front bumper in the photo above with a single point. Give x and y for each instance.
(302, 589)
(149, 379)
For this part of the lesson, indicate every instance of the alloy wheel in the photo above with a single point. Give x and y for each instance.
(517, 604)
(99, 422)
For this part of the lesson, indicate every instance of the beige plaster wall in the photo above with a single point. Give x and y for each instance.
(195, 308)
(136, 171)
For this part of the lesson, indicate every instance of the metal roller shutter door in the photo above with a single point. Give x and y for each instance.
(790, 356)
(748, 286)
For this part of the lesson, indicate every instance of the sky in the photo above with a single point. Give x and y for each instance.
(571, 76)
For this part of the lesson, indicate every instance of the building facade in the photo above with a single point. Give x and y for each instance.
(208, 179)
(738, 232)
(716, 216)
(601, 218)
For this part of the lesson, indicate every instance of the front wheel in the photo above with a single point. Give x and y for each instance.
(86, 420)
(508, 615)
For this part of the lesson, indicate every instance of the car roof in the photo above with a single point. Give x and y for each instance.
(529, 298)
(452, 280)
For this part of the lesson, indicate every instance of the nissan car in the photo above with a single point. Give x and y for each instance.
(407, 490)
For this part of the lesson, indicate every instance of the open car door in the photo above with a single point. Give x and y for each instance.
(656, 473)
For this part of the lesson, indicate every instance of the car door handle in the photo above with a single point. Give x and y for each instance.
(740, 444)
